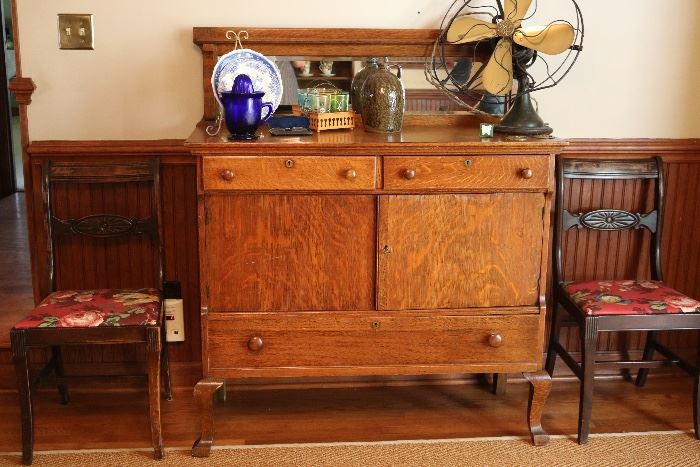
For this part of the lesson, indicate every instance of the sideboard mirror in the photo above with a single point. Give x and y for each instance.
(346, 48)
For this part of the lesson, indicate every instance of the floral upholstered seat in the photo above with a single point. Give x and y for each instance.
(92, 308)
(629, 297)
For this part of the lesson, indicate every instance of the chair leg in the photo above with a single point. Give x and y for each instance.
(553, 337)
(153, 350)
(58, 369)
(589, 340)
(165, 369)
(696, 397)
(648, 354)
(20, 359)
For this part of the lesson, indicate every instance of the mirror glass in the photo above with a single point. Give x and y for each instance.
(337, 72)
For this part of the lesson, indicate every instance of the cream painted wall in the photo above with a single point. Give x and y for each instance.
(143, 79)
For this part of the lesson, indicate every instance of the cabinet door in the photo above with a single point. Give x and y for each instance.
(459, 251)
(270, 252)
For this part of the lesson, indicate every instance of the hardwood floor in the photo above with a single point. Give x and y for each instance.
(107, 419)
(15, 271)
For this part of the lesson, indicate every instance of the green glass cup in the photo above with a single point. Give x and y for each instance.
(340, 102)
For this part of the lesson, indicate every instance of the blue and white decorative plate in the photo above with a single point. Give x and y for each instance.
(262, 71)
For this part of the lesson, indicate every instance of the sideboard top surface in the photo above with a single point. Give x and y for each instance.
(436, 138)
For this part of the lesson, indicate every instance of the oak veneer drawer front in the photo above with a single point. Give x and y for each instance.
(468, 172)
(289, 173)
(259, 340)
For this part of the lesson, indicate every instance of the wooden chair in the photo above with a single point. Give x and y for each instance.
(101, 316)
(617, 305)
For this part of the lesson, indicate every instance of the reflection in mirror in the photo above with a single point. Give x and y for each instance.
(308, 72)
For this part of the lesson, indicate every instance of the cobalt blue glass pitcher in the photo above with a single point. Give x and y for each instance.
(243, 109)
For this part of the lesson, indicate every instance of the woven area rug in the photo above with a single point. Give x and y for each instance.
(631, 449)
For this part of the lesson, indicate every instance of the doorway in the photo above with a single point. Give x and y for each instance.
(11, 175)
(16, 295)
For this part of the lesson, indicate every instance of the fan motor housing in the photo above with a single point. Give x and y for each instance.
(505, 28)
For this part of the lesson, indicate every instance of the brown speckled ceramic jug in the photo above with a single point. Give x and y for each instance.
(383, 100)
(371, 66)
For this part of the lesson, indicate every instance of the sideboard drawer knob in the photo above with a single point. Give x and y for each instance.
(527, 174)
(227, 175)
(409, 174)
(351, 174)
(495, 339)
(255, 344)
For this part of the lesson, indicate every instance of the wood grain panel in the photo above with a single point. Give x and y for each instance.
(290, 252)
(466, 172)
(301, 340)
(460, 251)
(289, 173)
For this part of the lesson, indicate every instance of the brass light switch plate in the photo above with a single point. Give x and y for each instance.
(75, 32)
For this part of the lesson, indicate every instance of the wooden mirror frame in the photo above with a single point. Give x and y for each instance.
(347, 42)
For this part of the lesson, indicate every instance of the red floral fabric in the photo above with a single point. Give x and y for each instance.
(629, 298)
(92, 308)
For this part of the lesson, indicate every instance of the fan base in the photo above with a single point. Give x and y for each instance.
(524, 130)
(522, 118)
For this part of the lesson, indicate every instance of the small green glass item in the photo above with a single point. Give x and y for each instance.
(486, 130)
(383, 101)
(371, 66)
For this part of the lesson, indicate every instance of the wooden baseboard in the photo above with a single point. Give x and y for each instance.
(183, 374)
(187, 374)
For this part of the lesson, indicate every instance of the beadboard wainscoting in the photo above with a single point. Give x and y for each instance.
(586, 255)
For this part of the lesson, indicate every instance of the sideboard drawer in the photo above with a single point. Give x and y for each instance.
(289, 173)
(258, 341)
(466, 172)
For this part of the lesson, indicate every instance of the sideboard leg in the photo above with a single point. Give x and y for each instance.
(540, 385)
(204, 392)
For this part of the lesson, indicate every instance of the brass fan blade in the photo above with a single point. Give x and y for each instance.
(467, 29)
(515, 10)
(498, 74)
(552, 39)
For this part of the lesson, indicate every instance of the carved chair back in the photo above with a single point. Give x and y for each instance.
(102, 225)
(609, 219)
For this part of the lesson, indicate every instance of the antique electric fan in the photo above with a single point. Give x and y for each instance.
(498, 48)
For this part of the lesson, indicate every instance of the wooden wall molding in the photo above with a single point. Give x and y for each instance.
(112, 148)
(170, 151)
(22, 88)
(672, 150)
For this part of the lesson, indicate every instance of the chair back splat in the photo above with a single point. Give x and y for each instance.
(609, 218)
(59, 225)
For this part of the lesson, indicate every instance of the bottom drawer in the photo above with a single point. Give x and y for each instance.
(257, 342)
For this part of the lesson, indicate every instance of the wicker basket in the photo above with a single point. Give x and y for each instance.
(328, 120)
(331, 120)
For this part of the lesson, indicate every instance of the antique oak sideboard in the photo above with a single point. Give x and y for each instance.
(351, 253)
